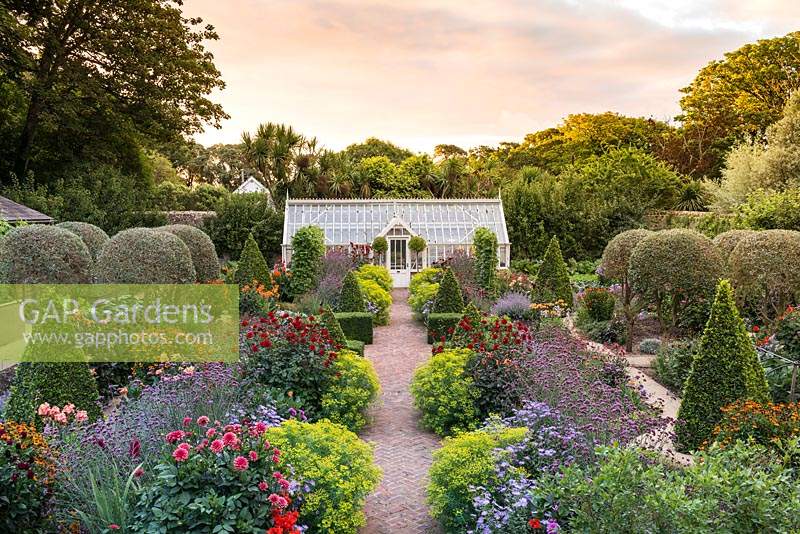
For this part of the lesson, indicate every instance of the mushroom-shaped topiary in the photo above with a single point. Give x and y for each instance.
(677, 266)
(204, 255)
(39, 254)
(724, 370)
(92, 236)
(615, 264)
(145, 256)
(727, 241)
(764, 271)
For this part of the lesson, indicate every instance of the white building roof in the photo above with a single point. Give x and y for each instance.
(251, 185)
(438, 221)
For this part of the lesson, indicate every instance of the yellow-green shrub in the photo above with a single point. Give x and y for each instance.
(379, 299)
(377, 273)
(354, 387)
(464, 461)
(341, 467)
(445, 394)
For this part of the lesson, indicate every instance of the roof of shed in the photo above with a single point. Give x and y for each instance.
(13, 212)
(439, 221)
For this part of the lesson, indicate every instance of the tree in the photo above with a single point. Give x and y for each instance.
(308, 249)
(725, 369)
(138, 68)
(374, 147)
(449, 298)
(742, 94)
(772, 165)
(552, 281)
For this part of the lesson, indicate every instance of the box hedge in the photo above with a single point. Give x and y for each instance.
(440, 323)
(356, 325)
(355, 346)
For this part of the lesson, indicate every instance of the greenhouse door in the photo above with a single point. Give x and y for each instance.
(398, 261)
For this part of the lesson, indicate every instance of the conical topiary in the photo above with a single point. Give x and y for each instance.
(331, 323)
(252, 265)
(552, 282)
(724, 370)
(448, 298)
(472, 312)
(351, 298)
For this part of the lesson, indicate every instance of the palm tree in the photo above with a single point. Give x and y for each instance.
(275, 151)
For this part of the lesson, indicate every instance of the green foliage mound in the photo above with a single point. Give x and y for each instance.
(39, 254)
(92, 236)
(379, 298)
(238, 216)
(145, 256)
(353, 389)
(308, 249)
(351, 298)
(445, 394)
(448, 298)
(440, 325)
(252, 265)
(724, 370)
(463, 462)
(55, 383)
(377, 273)
(356, 326)
(201, 248)
(341, 467)
(552, 281)
(765, 273)
(485, 243)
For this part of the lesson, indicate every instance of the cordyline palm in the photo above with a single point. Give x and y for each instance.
(273, 151)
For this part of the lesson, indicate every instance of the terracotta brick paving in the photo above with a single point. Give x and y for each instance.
(402, 448)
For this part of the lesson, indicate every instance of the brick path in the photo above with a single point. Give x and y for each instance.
(402, 448)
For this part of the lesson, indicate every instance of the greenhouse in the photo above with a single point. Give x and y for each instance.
(446, 225)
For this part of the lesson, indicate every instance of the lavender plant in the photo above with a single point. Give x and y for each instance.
(514, 305)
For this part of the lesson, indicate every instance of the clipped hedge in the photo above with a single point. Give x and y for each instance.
(356, 325)
(145, 256)
(341, 467)
(355, 346)
(92, 236)
(377, 273)
(445, 393)
(464, 462)
(352, 390)
(201, 248)
(308, 249)
(439, 325)
(56, 383)
(725, 369)
(39, 254)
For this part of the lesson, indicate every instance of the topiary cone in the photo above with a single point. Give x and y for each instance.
(351, 299)
(724, 370)
(552, 282)
(331, 323)
(252, 265)
(448, 298)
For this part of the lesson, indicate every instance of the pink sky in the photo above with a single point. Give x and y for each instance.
(420, 73)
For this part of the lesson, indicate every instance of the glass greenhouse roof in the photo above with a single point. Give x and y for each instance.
(438, 221)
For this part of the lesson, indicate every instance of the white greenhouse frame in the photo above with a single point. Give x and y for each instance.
(447, 225)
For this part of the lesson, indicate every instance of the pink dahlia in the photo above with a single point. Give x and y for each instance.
(217, 446)
(263, 486)
(202, 420)
(180, 454)
(240, 463)
(253, 456)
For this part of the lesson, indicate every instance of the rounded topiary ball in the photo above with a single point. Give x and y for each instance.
(92, 236)
(727, 241)
(204, 254)
(145, 256)
(40, 254)
(617, 254)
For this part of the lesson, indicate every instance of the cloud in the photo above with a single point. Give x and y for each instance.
(421, 72)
